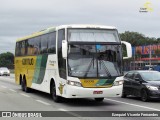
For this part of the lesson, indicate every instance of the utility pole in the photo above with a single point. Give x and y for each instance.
(150, 56)
(134, 58)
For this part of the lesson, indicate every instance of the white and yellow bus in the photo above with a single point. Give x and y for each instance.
(71, 61)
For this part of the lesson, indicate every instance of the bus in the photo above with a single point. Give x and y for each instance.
(72, 61)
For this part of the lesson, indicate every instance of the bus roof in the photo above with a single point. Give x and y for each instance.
(45, 31)
(52, 29)
(85, 26)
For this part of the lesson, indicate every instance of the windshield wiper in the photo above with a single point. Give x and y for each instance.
(88, 68)
(105, 67)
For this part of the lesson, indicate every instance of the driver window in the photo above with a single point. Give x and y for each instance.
(137, 76)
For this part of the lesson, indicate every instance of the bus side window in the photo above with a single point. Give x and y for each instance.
(26, 47)
(52, 43)
(37, 45)
(23, 48)
(30, 50)
(44, 44)
(18, 49)
(61, 60)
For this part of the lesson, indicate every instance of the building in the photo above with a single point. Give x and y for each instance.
(145, 56)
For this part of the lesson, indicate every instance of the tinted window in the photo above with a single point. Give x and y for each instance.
(23, 48)
(61, 61)
(18, 49)
(129, 75)
(30, 48)
(137, 76)
(44, 43)
(37, 45)
(52, 42)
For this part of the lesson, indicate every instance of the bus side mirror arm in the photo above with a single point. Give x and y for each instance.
(64, 49)
(129, 49)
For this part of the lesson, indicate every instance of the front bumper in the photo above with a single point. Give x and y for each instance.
(80, 92)
(154, 94)
(7, 74)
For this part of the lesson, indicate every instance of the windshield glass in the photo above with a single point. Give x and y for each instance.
(151, 76)
(92, 35)
(96, 61)
(3, 68)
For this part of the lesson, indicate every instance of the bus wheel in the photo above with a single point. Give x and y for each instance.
(99, 99)
(53, 93)
(24, 86)
(123, 95)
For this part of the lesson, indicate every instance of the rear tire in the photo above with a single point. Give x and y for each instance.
(53, 93)
(99, 99)
(24, 86)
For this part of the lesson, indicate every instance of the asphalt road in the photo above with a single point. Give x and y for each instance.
(12, 98)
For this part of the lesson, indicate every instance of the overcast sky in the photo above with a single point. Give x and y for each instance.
(19, 18)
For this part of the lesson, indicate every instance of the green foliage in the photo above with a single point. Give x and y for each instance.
(7, 60)
(157, 51)
(124, 52)
(138, 39)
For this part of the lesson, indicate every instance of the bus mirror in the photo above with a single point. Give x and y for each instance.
(128, 49)
(64, 49)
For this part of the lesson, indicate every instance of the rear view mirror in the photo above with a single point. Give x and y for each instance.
(137, 79)
(128, 49)
(64, 49)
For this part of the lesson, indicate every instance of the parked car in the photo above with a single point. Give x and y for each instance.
(142, 83)
(4, 71)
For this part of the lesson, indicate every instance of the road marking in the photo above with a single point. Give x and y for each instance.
(25, 95)
(133, 104)
(71, 113)
(3, 86)
(12, 90)
(61, 109)
(43, 102)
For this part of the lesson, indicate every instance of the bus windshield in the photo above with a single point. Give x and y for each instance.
(94, 61)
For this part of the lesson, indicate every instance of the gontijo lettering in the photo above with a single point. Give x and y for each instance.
(28, 61)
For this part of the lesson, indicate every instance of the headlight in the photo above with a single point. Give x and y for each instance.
(152, 87)
(74, 83)
(117, 83)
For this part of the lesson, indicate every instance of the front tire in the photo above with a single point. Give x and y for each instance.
(53, 93)
(99, 99)
(144, 96)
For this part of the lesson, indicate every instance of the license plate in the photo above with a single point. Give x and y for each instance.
(97, 92)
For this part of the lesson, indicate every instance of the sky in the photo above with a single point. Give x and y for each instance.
(19, 18)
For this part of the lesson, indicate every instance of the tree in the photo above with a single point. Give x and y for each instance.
(134, 38)
(158, 40)
(7, 60)
(138, 39)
